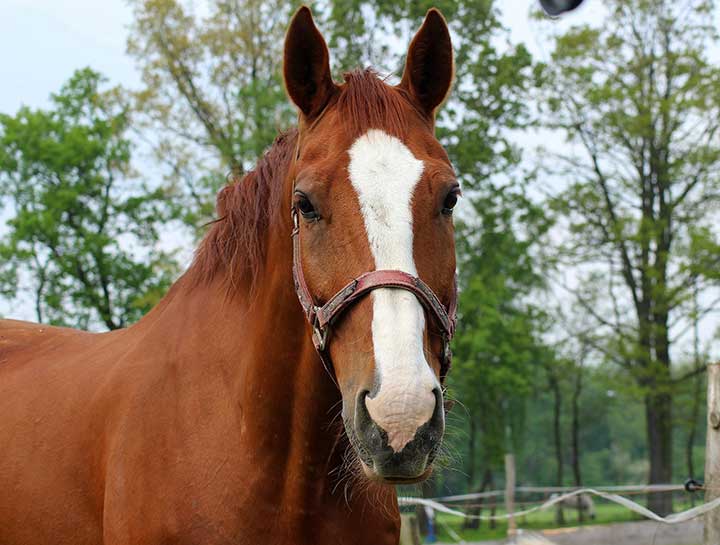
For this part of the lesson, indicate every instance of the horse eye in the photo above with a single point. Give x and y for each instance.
(450, 201)
(305, 207)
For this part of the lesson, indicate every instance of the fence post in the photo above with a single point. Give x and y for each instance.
(409, 530)
(510, 492)
(712, 454)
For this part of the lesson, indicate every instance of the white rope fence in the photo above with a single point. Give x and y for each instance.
(674, 518)
(644, 489)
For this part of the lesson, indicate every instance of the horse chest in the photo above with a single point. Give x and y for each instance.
(240, 505)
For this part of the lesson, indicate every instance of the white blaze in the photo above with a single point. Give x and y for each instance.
(384, 173)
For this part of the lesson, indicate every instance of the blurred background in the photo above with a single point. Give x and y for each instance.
(588, 148)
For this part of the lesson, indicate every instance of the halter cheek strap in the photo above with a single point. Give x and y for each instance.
(322, 317)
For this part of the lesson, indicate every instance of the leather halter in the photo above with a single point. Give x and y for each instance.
(321, 317)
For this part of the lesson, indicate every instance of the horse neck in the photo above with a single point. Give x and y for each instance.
(285, 401)
(293, 394)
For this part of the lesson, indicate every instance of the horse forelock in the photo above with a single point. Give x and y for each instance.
(367, 102)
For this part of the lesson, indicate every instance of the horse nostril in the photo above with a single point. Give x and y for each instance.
(365, 427)
(437, 392)
(361, 413)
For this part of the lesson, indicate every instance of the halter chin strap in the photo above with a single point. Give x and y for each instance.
(322, 317)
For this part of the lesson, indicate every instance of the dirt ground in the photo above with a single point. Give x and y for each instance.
(626, 533)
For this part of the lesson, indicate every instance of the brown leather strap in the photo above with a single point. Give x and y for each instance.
(301, 288)
(369, 281)
(322, 317)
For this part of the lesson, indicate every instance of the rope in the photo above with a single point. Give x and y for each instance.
(452, 533)
(553, 489)
(675, 518)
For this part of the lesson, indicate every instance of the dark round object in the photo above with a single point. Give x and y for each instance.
(557, 7)
(691, 485)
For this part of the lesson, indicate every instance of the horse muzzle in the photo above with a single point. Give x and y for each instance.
(385, 459)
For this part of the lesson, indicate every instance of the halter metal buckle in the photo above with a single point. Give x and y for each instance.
(319, 337)
(319, 333)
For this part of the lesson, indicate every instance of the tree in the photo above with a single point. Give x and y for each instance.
(637, 100)
(212, 97)
(498, 347)
(83, 233)
(565, 376)
(577, 384)
(554, 373)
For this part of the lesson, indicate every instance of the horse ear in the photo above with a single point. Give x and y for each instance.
(306, 65)
(428, 70)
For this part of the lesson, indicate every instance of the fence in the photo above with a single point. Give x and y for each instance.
(565, 497)
(439, 504)
(610, 493)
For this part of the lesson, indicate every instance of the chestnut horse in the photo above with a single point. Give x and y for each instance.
(213, 419)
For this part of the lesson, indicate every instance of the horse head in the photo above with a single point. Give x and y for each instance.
(373, 193)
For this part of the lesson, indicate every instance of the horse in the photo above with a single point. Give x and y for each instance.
(293, 374)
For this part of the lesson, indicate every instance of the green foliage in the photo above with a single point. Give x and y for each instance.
(498, 349)
(638, 97)
(637, 100)
(82, 233)
(212, 95)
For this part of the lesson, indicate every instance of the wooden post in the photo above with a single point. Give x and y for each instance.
(510, 492)
(409, 530)
(712, 454)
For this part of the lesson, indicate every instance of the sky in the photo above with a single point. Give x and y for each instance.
(44, 41)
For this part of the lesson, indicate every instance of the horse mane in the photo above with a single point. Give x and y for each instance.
(248, 205)
(246, 208)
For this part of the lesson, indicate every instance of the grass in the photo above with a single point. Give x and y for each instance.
(606, 513)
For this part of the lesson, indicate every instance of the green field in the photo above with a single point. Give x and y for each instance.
(606, 513)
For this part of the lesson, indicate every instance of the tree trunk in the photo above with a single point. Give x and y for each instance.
(692, 423)
(658, 413)
(658, 405)
(696, 393)
(557, 408)
(427, 490)
(472, 430)
(493, 503)
(474, 523)
(576, 436)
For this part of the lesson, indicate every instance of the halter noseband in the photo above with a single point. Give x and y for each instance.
(322, 317)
